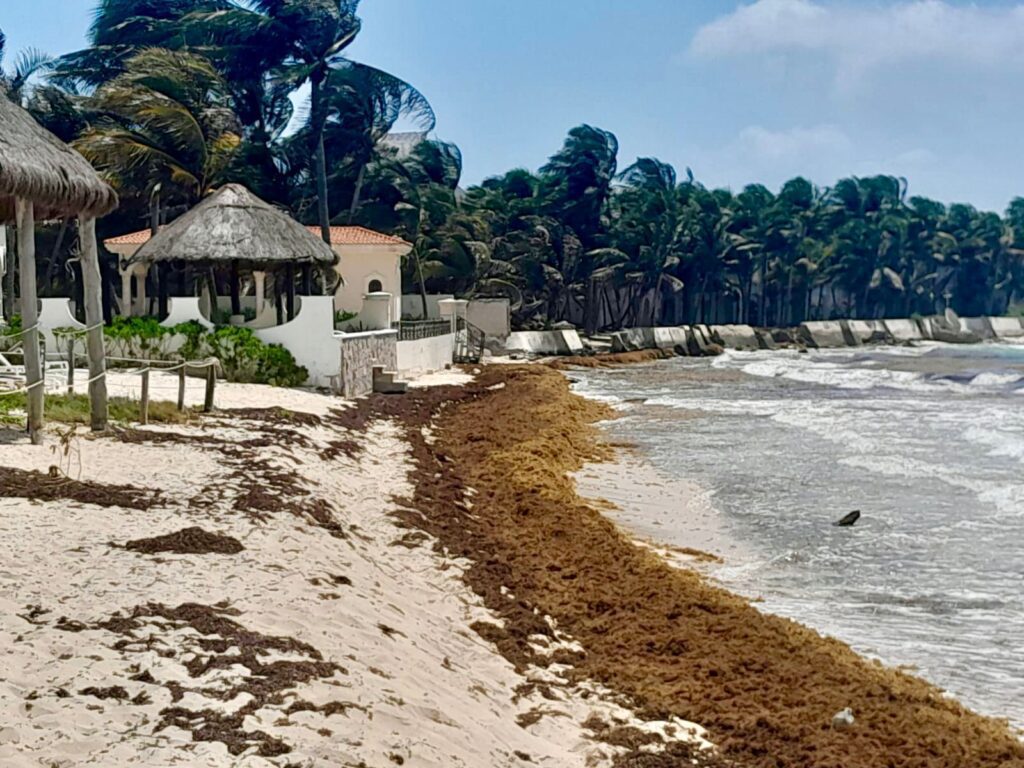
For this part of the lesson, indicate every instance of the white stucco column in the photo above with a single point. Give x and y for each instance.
(260, 279)
(452, 310)
(141, 270)
(376, 314)
(126, 291)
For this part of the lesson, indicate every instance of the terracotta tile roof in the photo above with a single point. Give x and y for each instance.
(359, 236)
(133, 238)
(339, 236)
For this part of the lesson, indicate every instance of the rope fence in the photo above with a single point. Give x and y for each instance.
(143, 369)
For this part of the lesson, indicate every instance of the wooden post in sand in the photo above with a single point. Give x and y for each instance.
(181, 387)
(25, 212)
(71, 365)
(92, 288)
(211, 383)
(144, 404)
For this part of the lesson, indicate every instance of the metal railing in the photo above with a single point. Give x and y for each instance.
(412, 330)
(469, 342)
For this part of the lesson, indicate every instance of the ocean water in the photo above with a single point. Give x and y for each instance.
(927, 442)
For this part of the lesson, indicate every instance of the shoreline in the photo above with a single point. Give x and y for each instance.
(765, 687)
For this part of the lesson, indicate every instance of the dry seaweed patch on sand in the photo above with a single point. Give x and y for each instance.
(188, 541)
(220, 643)
(766, 688)
(24, 484)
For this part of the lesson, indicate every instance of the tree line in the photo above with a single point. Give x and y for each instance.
(173, 98)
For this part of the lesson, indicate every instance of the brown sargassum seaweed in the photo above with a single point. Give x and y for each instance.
(765, 687)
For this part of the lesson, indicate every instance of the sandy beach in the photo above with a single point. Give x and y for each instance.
(312, 627)
(300, 580)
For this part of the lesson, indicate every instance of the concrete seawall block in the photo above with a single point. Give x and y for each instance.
(903, 330)
(671, 339)
(978, 325)
(824, 334)
(735, 336)
(545, 342)
(1006, 327)
(864, 330)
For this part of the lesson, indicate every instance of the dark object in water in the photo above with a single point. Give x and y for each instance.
(849, 520)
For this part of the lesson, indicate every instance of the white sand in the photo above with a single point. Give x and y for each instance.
(432, 693)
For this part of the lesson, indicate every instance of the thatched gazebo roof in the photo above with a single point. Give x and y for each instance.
(38, 167)
(233, 225)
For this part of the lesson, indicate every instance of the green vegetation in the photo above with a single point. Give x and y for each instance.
(173, 98)
(74, 409)
(243, 356)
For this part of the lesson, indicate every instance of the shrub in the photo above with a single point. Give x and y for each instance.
(243, 357)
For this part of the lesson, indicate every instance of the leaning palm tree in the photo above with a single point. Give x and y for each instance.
(166, 121)
(29, 62)
(304, 42)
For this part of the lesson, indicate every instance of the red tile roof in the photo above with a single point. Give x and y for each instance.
(339, 236)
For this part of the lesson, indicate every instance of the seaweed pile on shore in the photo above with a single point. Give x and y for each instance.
(492, 485)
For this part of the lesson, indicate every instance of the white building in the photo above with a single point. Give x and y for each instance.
(369, 262)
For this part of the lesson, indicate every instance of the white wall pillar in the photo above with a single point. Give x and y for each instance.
(377, 311)
(453, 310)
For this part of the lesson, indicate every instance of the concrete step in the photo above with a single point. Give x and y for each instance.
(386, 383)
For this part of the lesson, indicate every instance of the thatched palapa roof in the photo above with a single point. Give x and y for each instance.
(35, 165)
(233, 224)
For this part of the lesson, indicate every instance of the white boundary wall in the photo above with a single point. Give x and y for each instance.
(425, 355)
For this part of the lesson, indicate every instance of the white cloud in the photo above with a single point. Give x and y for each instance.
(862, 38)
(764, 145)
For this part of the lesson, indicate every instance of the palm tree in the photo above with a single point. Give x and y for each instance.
(577, 180)
(165, 121)
(14, 83)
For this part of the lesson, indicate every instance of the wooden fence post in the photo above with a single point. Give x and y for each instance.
(25, 212)
(181, 387)
(71, 365)
(144, 404)
(211, 383)
(92, 289)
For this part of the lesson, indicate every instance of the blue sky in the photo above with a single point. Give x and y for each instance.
(760, 90)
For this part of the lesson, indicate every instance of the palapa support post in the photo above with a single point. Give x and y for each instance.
(289, 287)
(236, 289)
(93, 288)
(25, 212)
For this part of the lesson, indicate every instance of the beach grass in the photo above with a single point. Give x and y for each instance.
(74, 409)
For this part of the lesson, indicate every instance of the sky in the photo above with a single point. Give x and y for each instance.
(740, 92)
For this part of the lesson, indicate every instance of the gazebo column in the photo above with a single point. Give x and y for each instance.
(260, 278)
(126, 290)
(236, 290)
(92, 286)
(289, 288)
(25, 213)
(141, 273)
